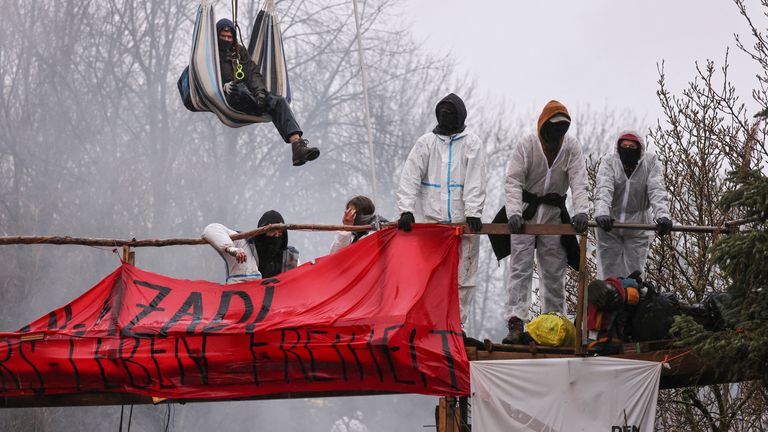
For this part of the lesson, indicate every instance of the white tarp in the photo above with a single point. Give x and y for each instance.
(569, 394)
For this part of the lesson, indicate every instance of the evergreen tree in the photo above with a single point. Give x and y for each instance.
(742, 257)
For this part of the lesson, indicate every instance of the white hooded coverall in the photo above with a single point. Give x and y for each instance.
(446, 175)
(628, 200)
(528, 170)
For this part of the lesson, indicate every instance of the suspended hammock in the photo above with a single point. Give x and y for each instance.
(200, 84)
(266, 48)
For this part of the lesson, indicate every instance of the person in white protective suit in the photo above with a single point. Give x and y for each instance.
(630, 187)
(262, 256)
(359, 210)
(542, 168)
(445, 175)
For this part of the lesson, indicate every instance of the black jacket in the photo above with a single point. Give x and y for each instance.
(253, 78)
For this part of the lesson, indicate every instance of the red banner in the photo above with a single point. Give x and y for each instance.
(380, 315)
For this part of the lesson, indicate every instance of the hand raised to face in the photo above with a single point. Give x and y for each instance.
(349, 216)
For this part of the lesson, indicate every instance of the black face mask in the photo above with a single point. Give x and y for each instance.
(225, 46)
(553, 133)
(448, 119)
(270, 246)
(629, 157)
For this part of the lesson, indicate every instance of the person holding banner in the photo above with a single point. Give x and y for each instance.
(445, 176)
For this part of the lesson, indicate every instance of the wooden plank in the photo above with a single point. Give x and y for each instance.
(565, 229)
(532, 348)
(534, 229)
(441, 415)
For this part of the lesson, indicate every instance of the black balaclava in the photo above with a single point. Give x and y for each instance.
(270, 249)
(225, 24)
(553, 133)
(630, 157)
(451, 114)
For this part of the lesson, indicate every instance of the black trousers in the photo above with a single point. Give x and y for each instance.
(277, 107)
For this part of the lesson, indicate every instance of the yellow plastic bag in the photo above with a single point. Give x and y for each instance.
(552, 329)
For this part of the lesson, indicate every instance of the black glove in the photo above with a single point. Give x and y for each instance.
(579, 223)
(474, 223)
(664, 226)
(605, 222)
(636, 275)
(516, 224)
(406, 219)
(235, 89)
(261, 100)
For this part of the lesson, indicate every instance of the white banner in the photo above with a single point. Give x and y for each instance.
(566, 394)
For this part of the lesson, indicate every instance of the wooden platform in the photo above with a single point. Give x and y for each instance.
(683, 369)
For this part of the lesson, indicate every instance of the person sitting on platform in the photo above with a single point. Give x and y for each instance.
(261, 256)
(248, 94)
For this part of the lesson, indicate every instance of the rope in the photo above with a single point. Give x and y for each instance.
(121, 418)
(130, 417)
(667, 359)
(239, 73)
(367, 110)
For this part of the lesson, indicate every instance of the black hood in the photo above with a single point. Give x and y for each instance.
(273, 217)
(461, 113)
(225, 24)
(270, 249)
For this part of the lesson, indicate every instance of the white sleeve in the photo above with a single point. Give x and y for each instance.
(515, 181)
(410, 178)
(475, 179)
(577, 179)
(604, 186)
(657, 193)
(342, 240)
(217, 235)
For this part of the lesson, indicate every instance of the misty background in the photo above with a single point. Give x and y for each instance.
(95, 142)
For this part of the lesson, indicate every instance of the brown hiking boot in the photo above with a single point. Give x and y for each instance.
(515, 334)
(302, 153)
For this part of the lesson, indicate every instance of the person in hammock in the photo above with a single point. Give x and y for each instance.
(248, 93)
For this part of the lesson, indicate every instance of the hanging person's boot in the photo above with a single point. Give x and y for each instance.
(302, 153)
(515, 334)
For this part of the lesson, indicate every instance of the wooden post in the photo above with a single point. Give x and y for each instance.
(129, 256)
(451, 415)
(441, 415)
(448, 415)
(581, 329)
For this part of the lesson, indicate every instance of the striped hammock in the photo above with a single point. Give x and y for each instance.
(206, 91)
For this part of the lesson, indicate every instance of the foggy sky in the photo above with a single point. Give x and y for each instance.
(592, 52)
(599, 53)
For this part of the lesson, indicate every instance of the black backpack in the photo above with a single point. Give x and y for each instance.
(654, 315)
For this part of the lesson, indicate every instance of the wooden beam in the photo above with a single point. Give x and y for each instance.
(499, 229)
